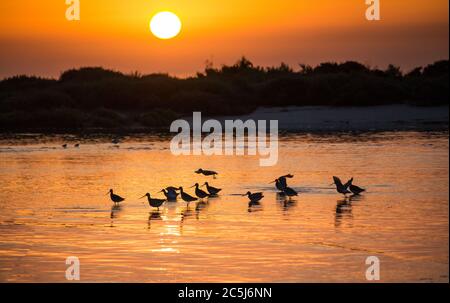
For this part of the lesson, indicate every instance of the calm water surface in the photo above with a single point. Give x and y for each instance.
(53, 205)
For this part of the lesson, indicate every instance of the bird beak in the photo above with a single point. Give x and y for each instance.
(143, 196)
(159, 192)
(203, 185)
(107, 193)
(192, 186)
(273, 182)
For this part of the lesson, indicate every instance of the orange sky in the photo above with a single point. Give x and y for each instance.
(35, 37)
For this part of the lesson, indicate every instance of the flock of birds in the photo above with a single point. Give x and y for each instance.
(171, 193)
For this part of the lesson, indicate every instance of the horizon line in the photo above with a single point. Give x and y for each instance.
(195, 74)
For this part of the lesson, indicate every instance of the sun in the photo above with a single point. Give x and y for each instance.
(165, 25)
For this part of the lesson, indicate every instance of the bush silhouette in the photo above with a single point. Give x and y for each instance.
(97, 97)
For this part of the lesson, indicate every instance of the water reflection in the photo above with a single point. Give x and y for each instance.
(199, 207)
(115, 211)
(288, 204)
(343, 211)
(356, 198)
(185, 214)
(153, 216)
(210, 234)
(280, 196)
(254, 207)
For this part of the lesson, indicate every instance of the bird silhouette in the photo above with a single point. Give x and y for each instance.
(170, 193)
(340, 188)
(206, 172)
(186, 197)
(281, 182)
(200, 193)
(115, 198)
(254, 197)
(156, 203)
(213, 191)
(356, 190)
(290, 192)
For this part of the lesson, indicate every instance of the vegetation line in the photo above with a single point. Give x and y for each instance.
(94, 97)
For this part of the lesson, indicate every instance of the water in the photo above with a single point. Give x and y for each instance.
(53, 205)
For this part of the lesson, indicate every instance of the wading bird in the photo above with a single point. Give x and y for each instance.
(170, 194)
(281, 182)
(200, 193)
(213, 191)
(186, 197)
(156, 203)
(290, 192)
(206, 172)
(278, 185)
(172, 188)
(254, 197)
(356, 190)
(115, 198)
(340, 188)
(349, 182)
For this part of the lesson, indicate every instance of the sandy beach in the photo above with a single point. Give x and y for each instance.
(373, 118)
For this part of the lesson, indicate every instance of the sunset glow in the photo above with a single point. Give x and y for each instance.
(115, 34)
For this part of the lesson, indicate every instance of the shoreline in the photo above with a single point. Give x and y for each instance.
(355, 119)
(305, 119)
